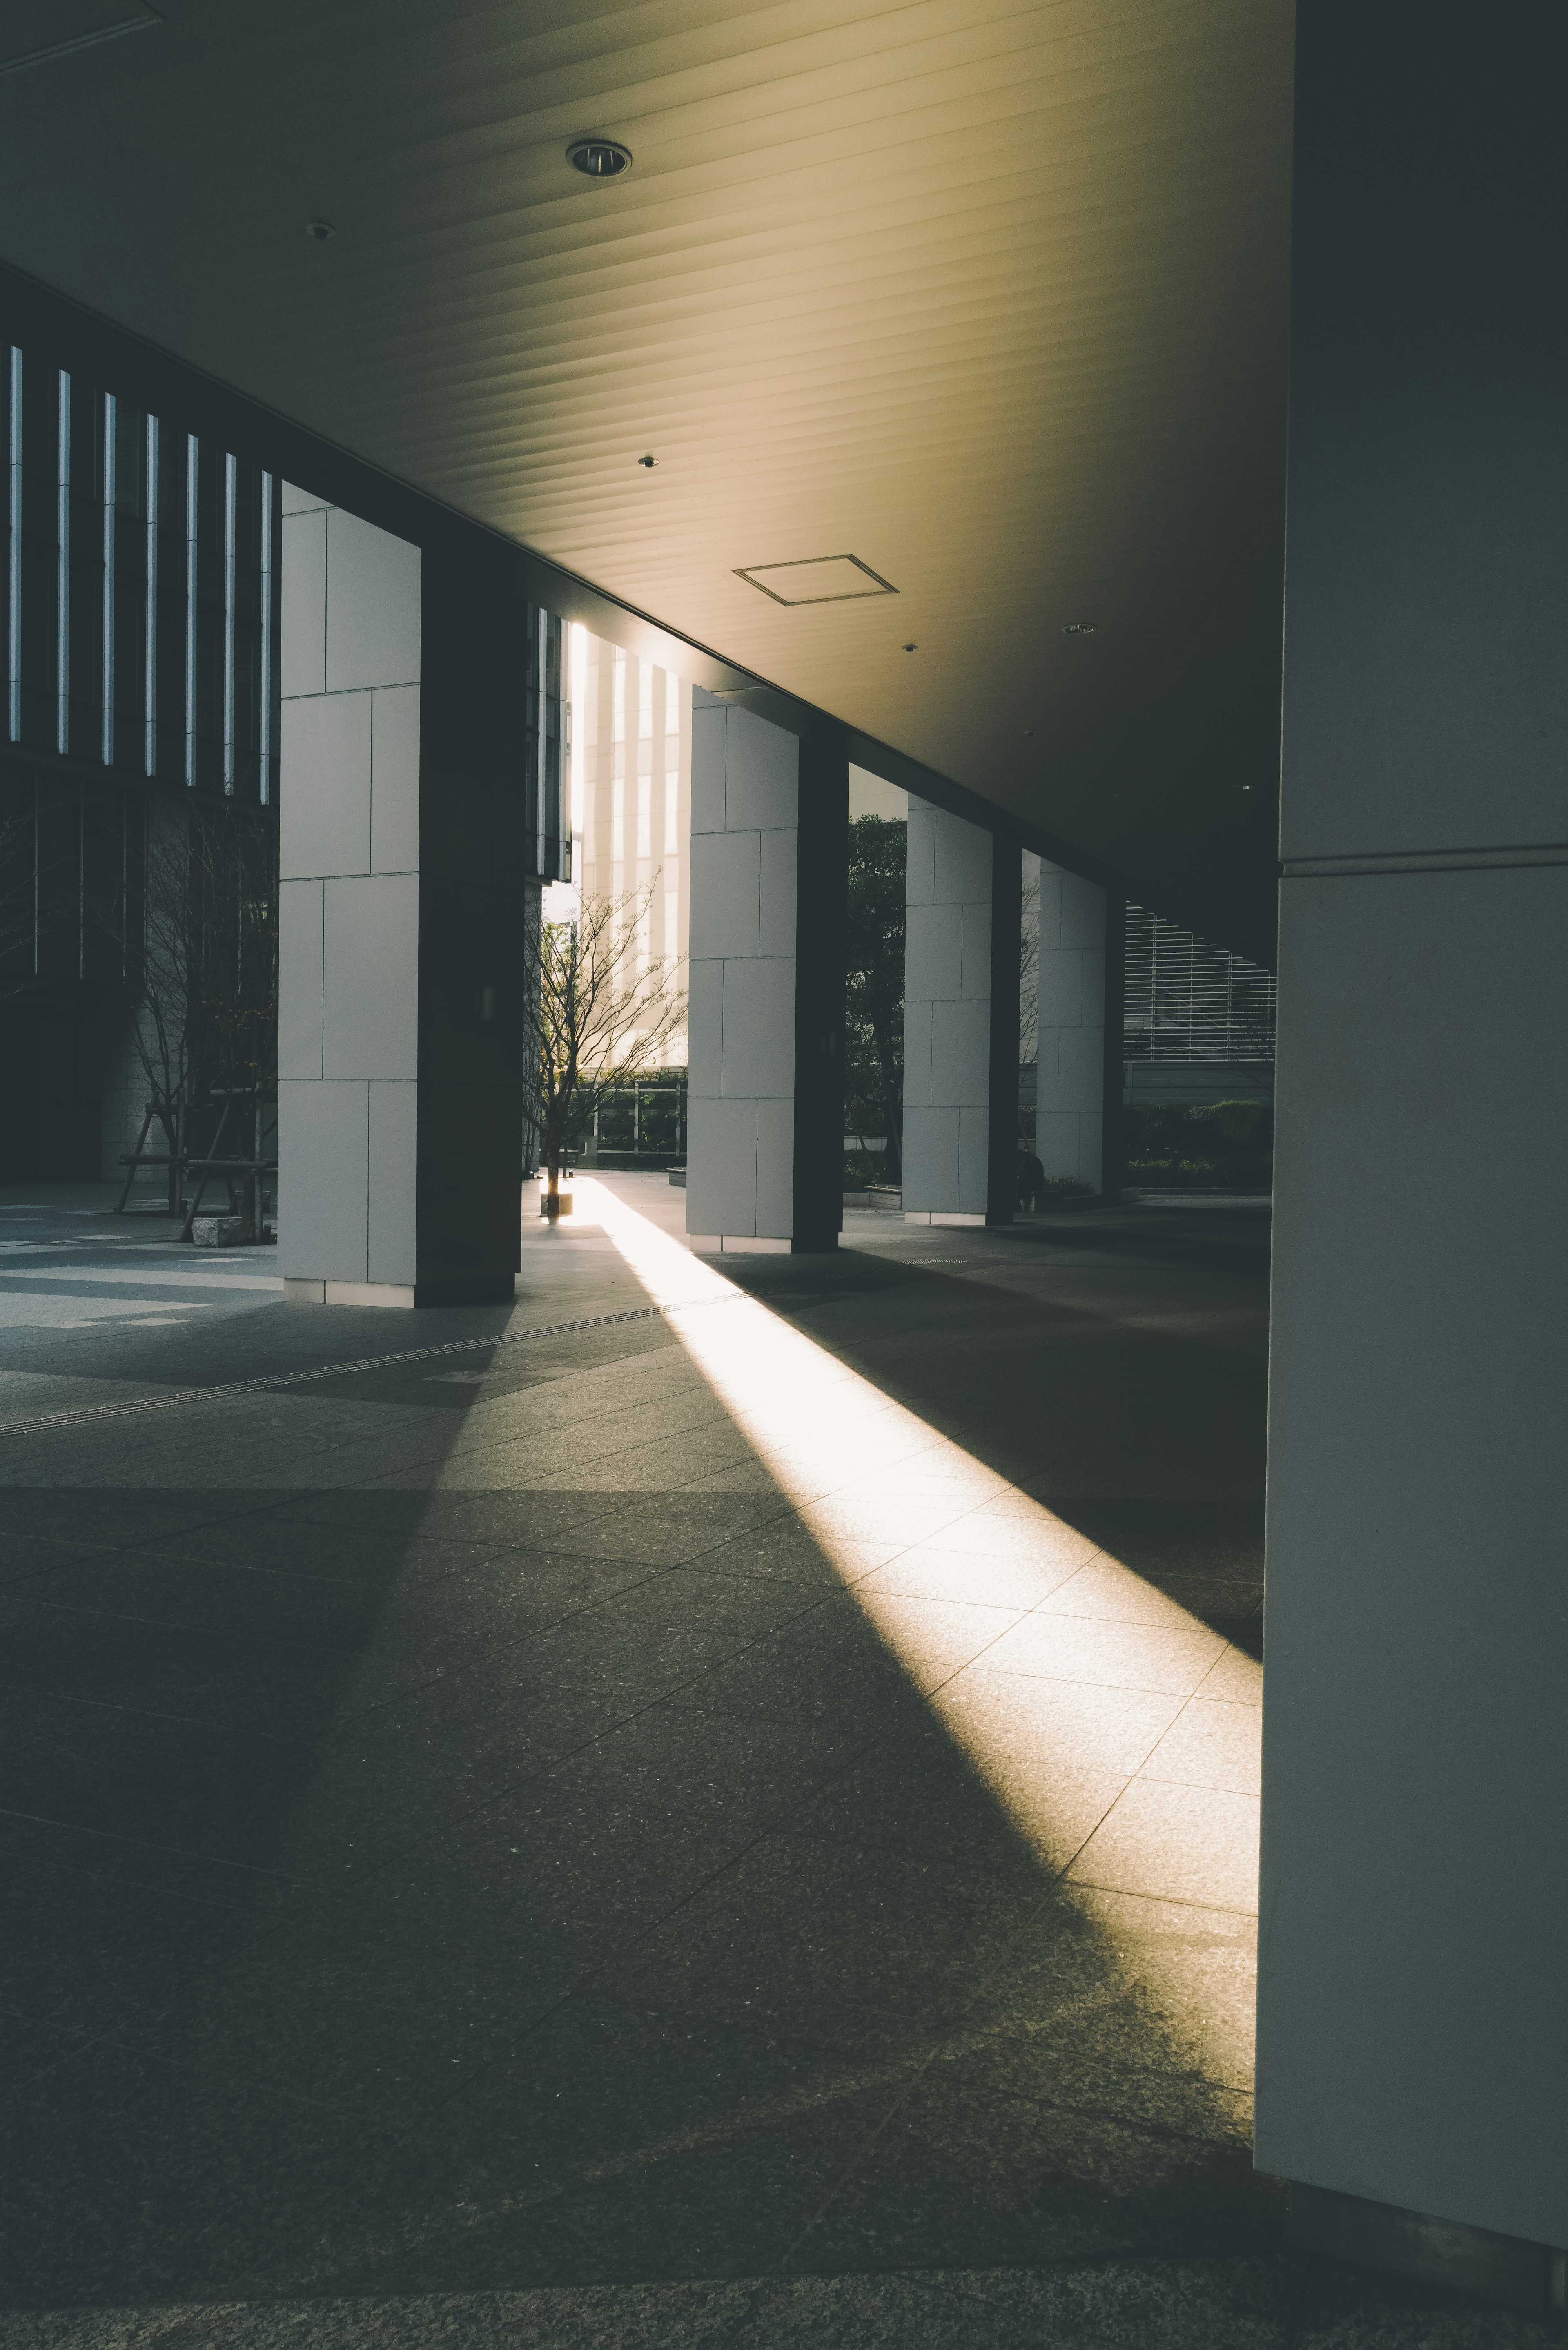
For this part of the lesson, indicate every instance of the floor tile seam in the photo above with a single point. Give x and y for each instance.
(853, 2172)
(1175, 2069)
(1169, 1900)
(570, 1420)
(150, 1713)
(264, 1877)
(507, 1444)
(1180, 1698)
(280, 1380)
(1143, 2125)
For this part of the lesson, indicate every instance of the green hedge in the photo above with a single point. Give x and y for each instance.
(1221, 1143)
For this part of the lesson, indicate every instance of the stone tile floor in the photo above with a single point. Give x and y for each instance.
(717, 1805)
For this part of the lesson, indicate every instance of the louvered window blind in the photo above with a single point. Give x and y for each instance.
(1187, 1000)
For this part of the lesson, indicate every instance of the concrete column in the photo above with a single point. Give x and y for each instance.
(1069, 1102)
(396, 987)
(1413, 2052)
(960, 1021)
(766, 1064)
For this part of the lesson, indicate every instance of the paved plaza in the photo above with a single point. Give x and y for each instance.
(715, 1806)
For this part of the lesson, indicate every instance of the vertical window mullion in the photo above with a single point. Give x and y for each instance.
(152, 627)
(229, 486)
(109, 532)
(192, 495)
(63, 572)
(265, 714)
(14, 608)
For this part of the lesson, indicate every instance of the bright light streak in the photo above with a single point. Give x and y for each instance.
(948, 1560)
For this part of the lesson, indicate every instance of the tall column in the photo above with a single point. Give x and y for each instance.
(399, 983)
(960, 1021)
(1070, 1096)
(1413, 2052)
(765, 1057)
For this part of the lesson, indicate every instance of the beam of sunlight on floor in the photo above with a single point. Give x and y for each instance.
(1116, 1730)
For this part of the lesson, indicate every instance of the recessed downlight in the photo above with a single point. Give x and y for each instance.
(320, 230)
(1079, 629)
(599, 159)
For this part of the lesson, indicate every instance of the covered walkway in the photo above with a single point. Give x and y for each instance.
(705, 1807)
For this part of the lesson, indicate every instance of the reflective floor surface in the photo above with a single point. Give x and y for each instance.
(715, 1806)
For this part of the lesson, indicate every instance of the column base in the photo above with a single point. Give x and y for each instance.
(469, 1289)
(940, 1216)
(1506, 2269)
(743, 1245)
(296, 1292)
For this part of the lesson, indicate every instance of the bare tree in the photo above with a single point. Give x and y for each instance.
(201, 938)
(602, 1015)
(873, 977)
(1028, 967)
(18, 886)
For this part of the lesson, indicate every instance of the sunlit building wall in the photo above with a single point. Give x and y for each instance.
(631, 783)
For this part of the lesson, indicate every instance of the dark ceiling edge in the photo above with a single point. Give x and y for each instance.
(117, 357)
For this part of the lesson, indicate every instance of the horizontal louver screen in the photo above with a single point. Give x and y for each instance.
(1187, 1000)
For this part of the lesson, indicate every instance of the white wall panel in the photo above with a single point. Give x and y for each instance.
(324, 811)
(372, 606)
(302, 639)
(759, 1026)
(323, 1149)
(370, 977)
(349, 941)
(1411, 2039)
(947, 1014)
(745, 809)
(726, 895)
(395, 780)
(392, 1190)
(1069, 1112)
(299, 979)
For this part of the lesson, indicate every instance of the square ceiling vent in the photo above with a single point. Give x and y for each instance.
(824, 580)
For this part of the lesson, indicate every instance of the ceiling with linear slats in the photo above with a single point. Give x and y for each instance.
(989, 295)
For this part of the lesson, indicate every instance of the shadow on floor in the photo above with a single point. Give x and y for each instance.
(484, 1851)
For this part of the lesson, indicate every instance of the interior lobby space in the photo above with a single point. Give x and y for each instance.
(717, 1805)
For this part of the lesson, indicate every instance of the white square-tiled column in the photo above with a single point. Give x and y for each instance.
(348, 989)
(1069, 1107)
(960, 1021)
(1413, 2033)
(764, 1131)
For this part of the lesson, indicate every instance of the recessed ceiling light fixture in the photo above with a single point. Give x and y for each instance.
(320, 230)
(1079, 629)
(599, 159)
(648, 461)
(817, 579)
(911, 648)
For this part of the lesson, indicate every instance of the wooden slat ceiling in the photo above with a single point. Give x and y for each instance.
(990, 296)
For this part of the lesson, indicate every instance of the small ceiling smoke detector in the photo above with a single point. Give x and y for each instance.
(319, 230)
(911, 648)
(1079, 629)
(648, 461)
(599, 159)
